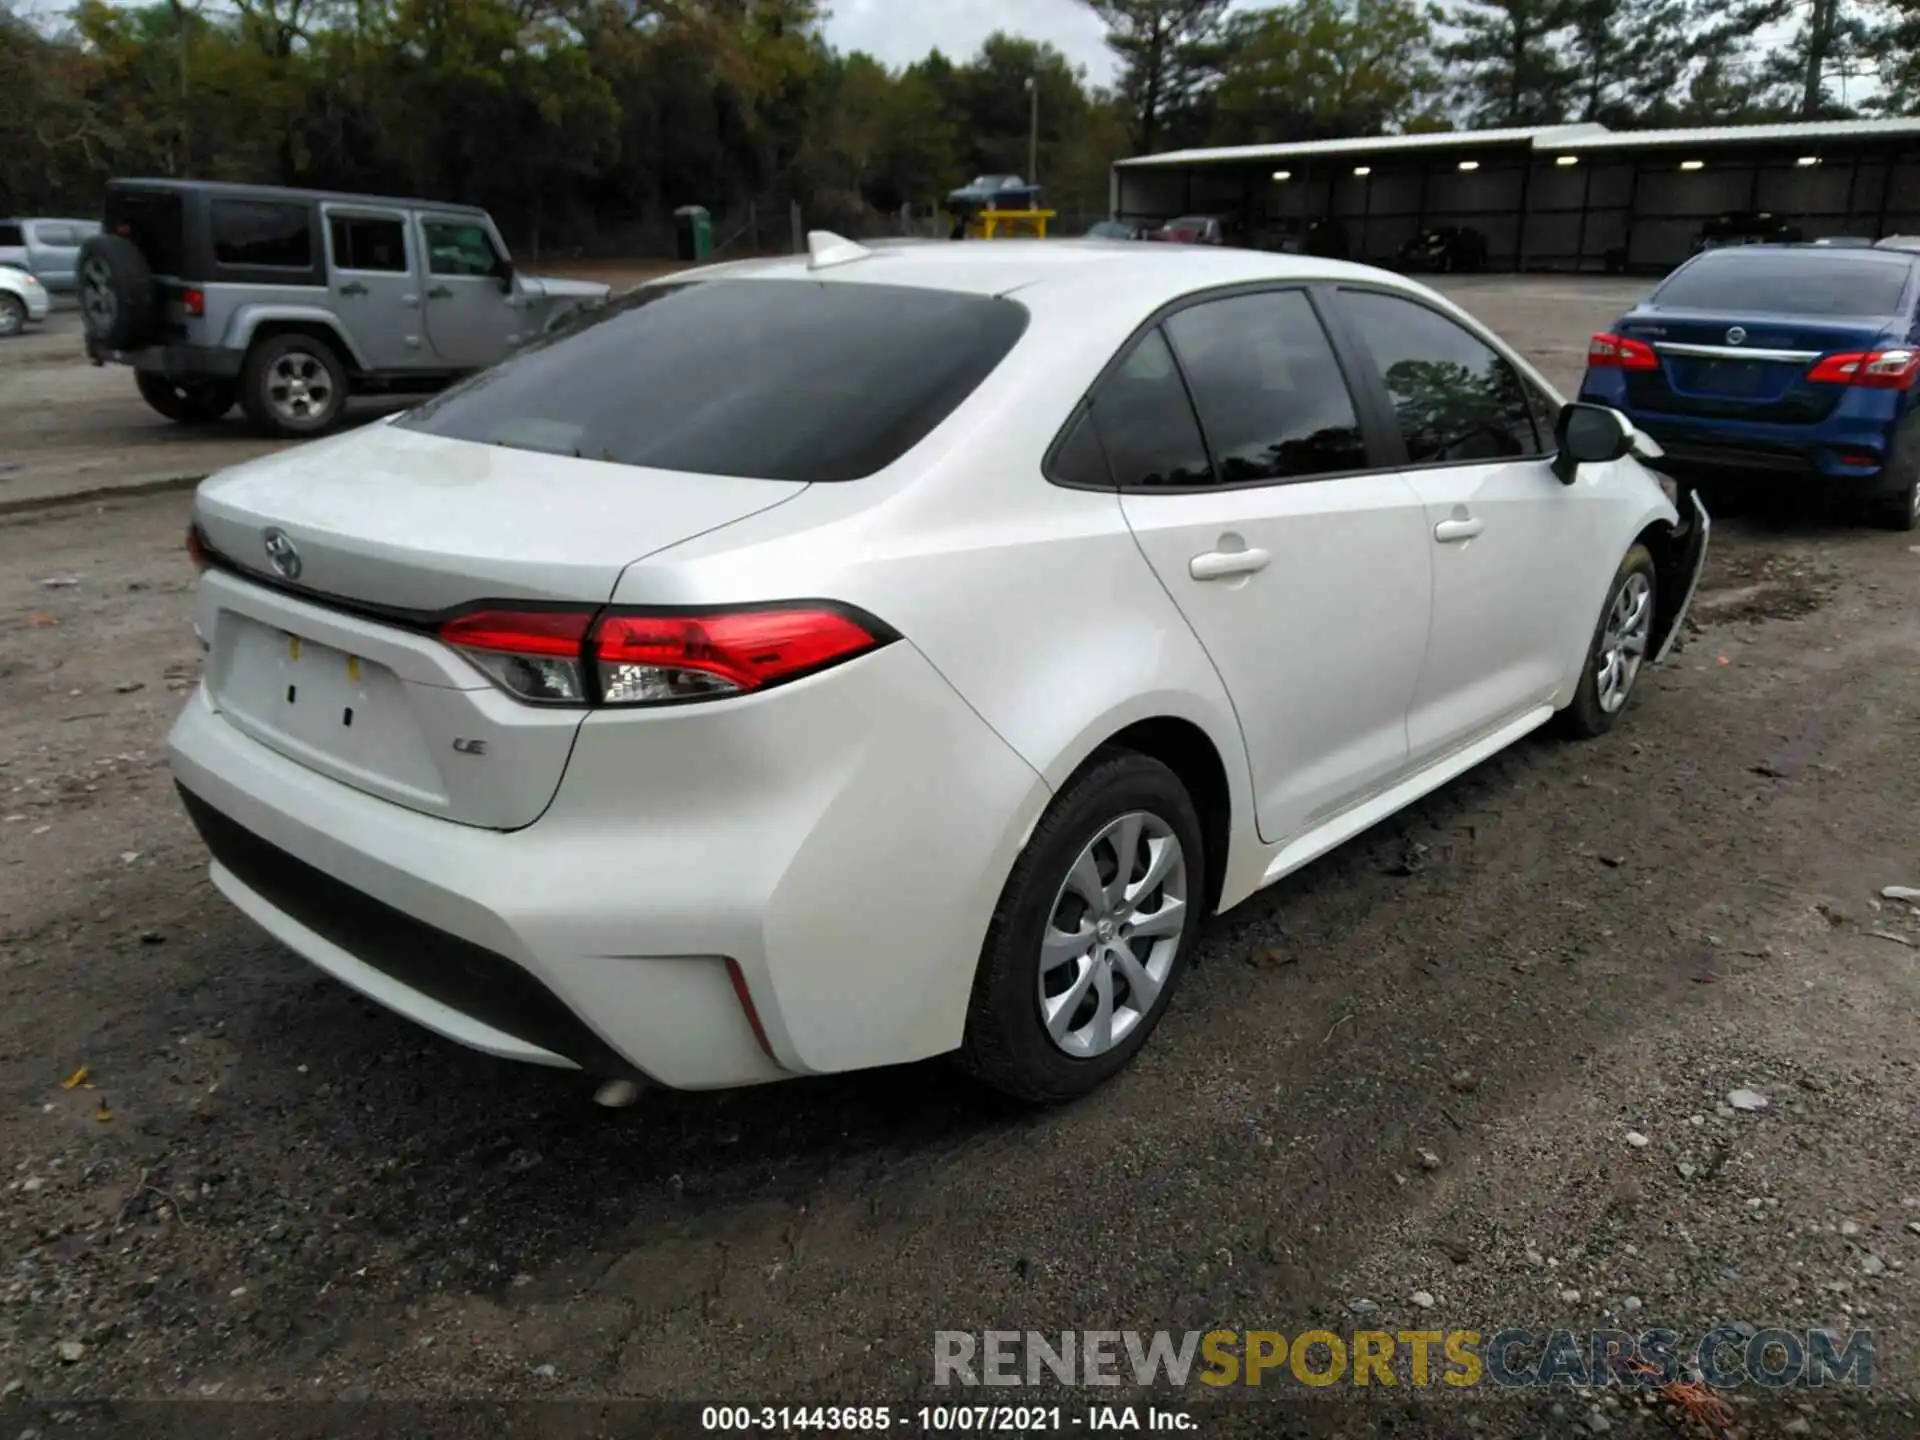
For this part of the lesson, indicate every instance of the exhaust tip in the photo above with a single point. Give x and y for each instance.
(616, 1094)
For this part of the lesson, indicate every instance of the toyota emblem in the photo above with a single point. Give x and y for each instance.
(1737, 335)
(282, 553)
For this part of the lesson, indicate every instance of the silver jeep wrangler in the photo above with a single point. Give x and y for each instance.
(289, 301)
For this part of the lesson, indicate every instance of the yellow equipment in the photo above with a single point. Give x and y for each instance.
(991, 224)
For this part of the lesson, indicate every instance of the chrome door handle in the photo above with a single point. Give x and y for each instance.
(353, 287)
(1219, 564)
(1448, 531)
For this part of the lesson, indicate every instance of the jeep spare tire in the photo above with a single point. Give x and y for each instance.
(116, 292)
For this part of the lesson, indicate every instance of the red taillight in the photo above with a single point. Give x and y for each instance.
(196, 547)
(648, 658)
(195, 301)
(1607, 351)
(550, 657)
(534, 654)
(1873, 369)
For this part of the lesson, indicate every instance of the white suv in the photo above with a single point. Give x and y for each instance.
(830, 662)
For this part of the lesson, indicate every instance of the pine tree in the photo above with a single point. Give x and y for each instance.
(1509, 58)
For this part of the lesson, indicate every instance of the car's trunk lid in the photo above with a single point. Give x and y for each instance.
(1747, 366)
(335, 561)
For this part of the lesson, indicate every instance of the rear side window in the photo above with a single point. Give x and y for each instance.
(154, 221)
(10, 234)
(1270, 394)
(1789, 282)
(268, 233)
(1454, 397)
(1146, 422)
(774, 379)
(60, 235)
(363, 242)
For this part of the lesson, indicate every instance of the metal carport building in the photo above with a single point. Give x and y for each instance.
(1551, 197)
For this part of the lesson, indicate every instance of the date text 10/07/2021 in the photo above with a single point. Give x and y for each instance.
(944, 1419)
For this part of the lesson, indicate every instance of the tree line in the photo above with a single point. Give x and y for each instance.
(583, 123)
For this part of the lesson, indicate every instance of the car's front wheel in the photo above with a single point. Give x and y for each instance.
(1618, 650)
(1092, 932)
(186, 402)
(13, 315)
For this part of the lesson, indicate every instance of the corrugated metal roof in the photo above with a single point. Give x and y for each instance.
(1587, 139)
(1743, 134)
(1371, 145)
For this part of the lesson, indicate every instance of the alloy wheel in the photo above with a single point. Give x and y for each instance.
(1112, 934)
(1623, 642)
(299, 387)
(13, 315)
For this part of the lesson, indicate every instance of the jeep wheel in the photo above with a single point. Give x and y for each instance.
(116, 292)
(293, 385)
(186, 402)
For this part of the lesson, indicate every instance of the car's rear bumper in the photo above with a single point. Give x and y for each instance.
(176, 362)
(1845, 454)
(842, 841)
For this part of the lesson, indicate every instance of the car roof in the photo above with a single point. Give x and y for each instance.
(1150, 275)
(45, 220)
(234, 190)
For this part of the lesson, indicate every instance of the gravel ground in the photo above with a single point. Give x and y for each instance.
(1471, 1070)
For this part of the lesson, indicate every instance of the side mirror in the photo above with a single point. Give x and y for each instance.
(505, 276)
(1589, 435)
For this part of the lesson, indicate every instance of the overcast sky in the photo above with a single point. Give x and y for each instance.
(901, 31)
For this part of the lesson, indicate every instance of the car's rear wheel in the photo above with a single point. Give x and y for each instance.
(1902, 512)
(13, 315)
(186, 402)
(1618, 650)
(1092, 932)
(293, 385)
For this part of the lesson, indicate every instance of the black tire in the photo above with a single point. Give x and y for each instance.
(1902, 512)
(13, 314)
(1007, 1044)
(186, 402)
(1587, 717)
(311, 408)
(117, 304)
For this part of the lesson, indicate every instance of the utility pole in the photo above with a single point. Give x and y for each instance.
(1033, 130)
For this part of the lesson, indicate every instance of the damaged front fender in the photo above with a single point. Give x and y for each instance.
(1679, 554)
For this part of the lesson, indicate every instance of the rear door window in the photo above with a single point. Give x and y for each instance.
(1271, 397)
(59, 236)
(11, 234)
(270, 234)
(773, 379)
(154, 221)
(1146, 422)
(366, 242)
(1456, 399)
(1789, 282)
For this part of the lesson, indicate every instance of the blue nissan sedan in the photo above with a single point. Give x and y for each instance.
(1792, 363)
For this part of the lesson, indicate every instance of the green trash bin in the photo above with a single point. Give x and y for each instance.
(693, 227)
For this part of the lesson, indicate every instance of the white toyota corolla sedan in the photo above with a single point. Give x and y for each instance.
(828, 662)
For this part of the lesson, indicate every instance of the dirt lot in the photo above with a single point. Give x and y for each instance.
(1483, 1053)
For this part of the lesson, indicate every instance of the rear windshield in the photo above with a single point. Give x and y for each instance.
(1789, 282)
(152, 220)
(773, 379)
